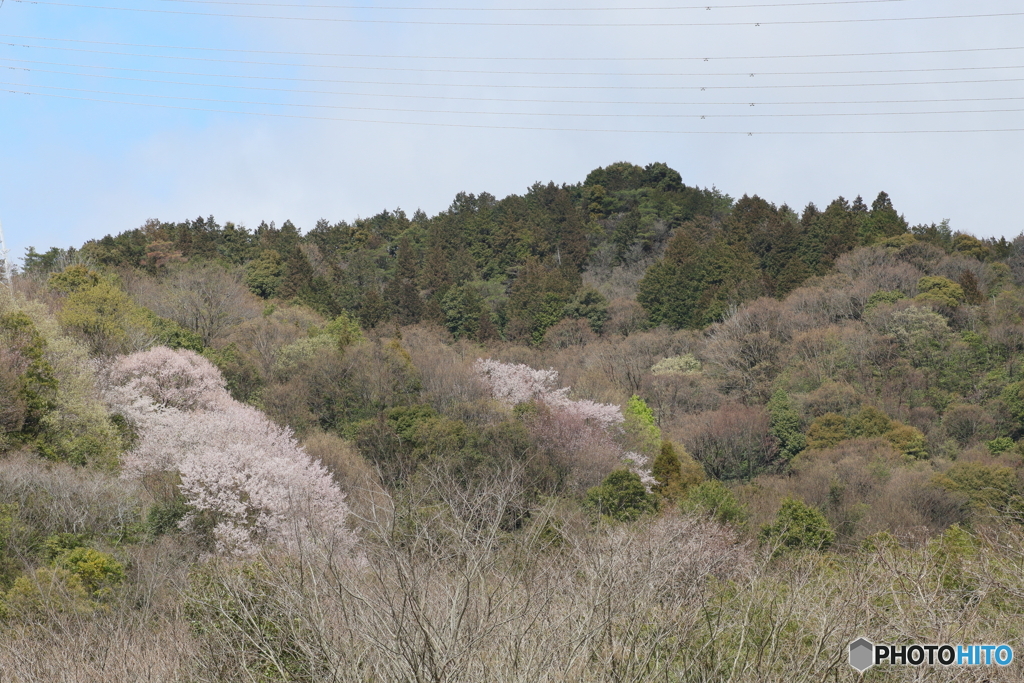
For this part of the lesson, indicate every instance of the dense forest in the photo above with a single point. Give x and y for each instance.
(622, 430)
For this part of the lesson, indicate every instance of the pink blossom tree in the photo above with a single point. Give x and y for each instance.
(583, 434)
(236, 466)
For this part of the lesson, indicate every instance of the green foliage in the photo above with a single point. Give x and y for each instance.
(675, 472)
(883, 297)
(46, 592)
(241, 611)
(537, 300)
(1000, 445)
(869, 422)
(952, 553)
(827, 431)
(1013, 399)
(172, 335)
(667, 471)
(907, 440)
(463, 310)
(936, 289)
(971, 246)
(716, 499)
(163, 517)
(621, 497)
(106, 319)
(785, 425)
(264, 275)
(797, 526)
(641, 428)
(97, 571)
(73, 279)
(58, 544)
(242, 377)
(694, 283)
(345, 330)
(590, 304)
(984, 486)
(36, 386)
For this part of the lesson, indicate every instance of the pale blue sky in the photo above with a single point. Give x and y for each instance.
(74, 169)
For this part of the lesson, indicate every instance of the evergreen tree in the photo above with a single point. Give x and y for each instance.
(785, 425)
(402, 293)
(797, 526)
(537, 300)
(667, 471)
(297, 281)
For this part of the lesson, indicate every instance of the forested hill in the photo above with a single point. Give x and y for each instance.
(622, 430)
(511, 268)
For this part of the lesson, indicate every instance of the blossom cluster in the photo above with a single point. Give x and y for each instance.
(235, 465)
(514, 383)
(583, 431)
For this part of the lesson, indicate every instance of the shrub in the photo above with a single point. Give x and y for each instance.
(1000, 445)
(622, 497)
(644, 435)
(97, 571)
(714, 498)
(106, 319)
(908, 440)
(868, 423)
(936, 289)
(797, 526)
(1013, 398)
(883, 297)
(827, 431)
(984, 486)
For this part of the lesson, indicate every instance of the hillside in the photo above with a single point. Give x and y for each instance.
(627, 429)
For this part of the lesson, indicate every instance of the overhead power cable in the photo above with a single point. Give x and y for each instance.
(630, 115)
(520, 86)
(506, 24)
(519, 58)
(668, 8)
(519, 100)
(526, 128)
(485, 72)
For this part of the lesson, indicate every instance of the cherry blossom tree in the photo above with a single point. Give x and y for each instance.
(236, 467)
(584, 434)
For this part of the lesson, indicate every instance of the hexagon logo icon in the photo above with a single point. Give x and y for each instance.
(862, 654)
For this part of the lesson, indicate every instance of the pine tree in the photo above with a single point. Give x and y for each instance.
(402, 293)
(667, 471)
(298, 276)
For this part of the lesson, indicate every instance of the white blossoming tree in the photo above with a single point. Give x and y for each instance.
(236, 467)
(585, 433)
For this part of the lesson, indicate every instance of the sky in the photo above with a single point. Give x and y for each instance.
(338, 109)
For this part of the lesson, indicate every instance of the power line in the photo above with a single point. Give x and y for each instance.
(537, 9)
(524, 100)
(519, 73)
(525, 128)
(495, 113)
(519, 86)
(794, 22)
(552, 59)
